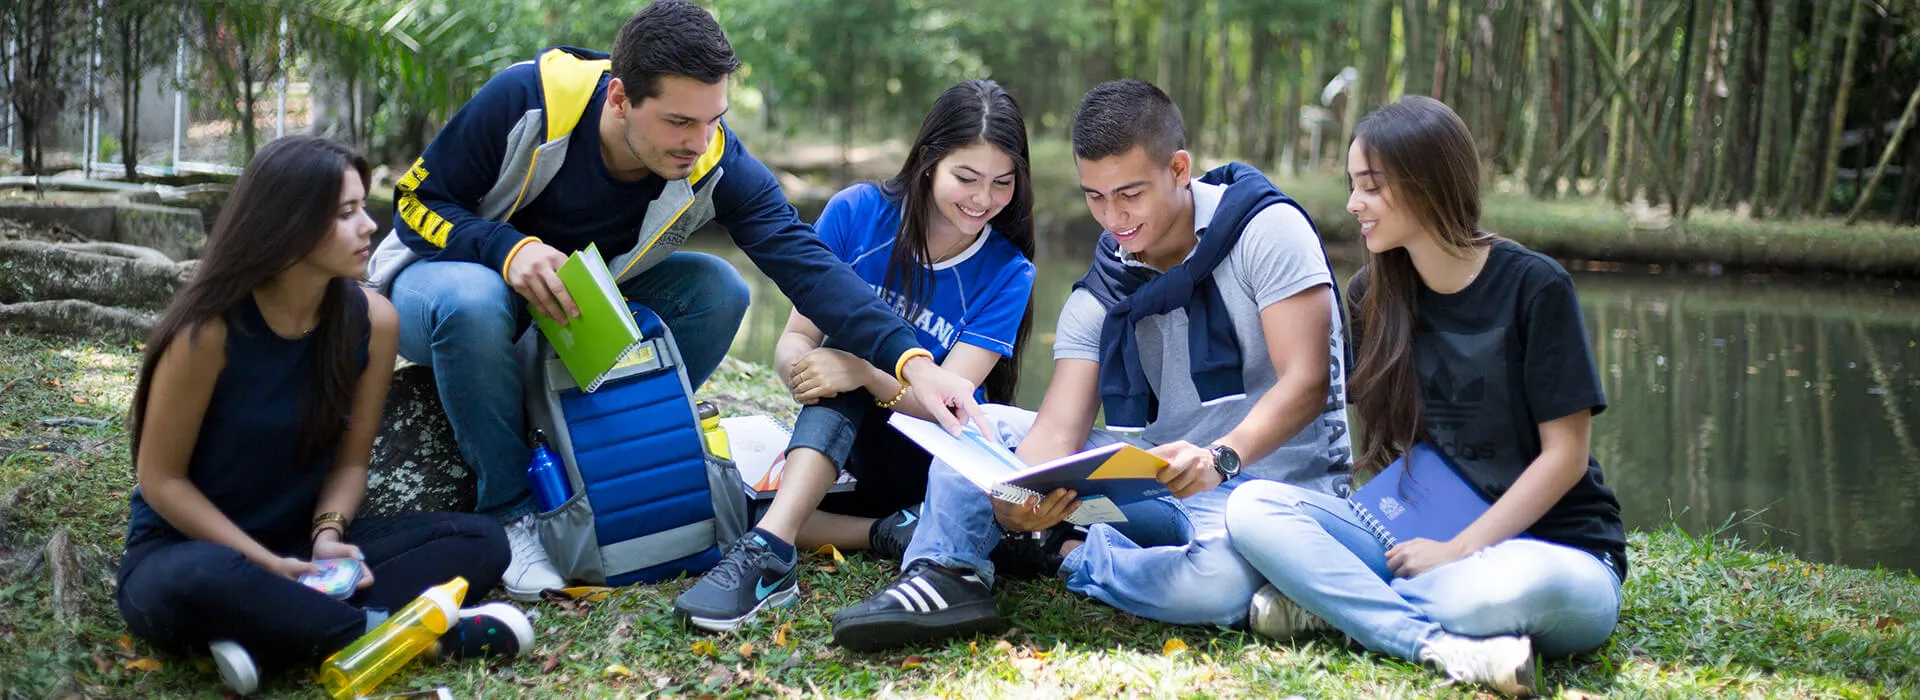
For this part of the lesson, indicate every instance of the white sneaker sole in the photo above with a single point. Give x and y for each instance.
(714, 624)
(525, 595)
(512, 617)
(236, 667)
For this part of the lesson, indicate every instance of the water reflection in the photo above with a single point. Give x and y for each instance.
(1728, 396)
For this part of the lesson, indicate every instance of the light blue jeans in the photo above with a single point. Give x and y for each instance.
(462, 320)
(1311, 547)
(1170, 561)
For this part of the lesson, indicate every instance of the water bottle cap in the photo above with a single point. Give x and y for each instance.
(447, 597)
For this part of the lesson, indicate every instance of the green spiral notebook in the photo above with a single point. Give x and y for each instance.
(604, 334)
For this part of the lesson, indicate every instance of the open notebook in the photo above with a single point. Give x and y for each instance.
(1104, 477)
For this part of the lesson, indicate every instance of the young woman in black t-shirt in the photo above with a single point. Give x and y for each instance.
(1475, 345)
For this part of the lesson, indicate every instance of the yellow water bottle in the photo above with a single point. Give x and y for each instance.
(357, 669)
(716, 436)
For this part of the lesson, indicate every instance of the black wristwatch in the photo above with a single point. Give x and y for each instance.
(1225, 461)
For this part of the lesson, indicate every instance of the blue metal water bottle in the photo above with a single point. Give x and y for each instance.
(547, 477)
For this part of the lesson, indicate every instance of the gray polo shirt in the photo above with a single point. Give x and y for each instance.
(1278, 256)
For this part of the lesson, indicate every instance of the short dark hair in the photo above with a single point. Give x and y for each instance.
(1117, 115)
(670, 37)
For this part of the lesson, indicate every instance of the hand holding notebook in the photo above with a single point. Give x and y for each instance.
(604, 334)
(1104, 477)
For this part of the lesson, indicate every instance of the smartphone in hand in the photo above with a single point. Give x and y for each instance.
(337, 577)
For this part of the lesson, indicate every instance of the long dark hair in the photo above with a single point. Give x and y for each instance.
(280, 209)
(976, 111)
(1429, 167)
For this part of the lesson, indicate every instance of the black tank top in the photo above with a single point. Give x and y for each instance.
(244, 458)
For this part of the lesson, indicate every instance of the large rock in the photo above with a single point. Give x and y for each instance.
(110, 274)
(416, 465)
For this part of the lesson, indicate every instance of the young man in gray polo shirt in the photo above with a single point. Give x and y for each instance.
(1216, 292)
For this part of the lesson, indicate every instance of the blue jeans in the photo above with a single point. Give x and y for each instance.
(1170, 561)
(1312, 547)
(462, 320)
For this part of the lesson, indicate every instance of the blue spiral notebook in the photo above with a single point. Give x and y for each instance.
(1419, 495)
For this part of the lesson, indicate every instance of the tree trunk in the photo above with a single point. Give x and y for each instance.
(1416, 27)
(1700, 143)
(1776, 104)
(1543, 90)
(1797, 194)
(1732, 180)
(1880, 169)
(1617, 120)
(1376, 30)
(1837, 125)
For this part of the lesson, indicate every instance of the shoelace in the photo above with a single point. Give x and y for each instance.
(526, 547)
(728, 572)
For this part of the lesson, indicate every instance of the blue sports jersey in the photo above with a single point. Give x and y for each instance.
(976, 297)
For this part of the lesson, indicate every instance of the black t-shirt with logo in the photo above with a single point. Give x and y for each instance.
(1499, 358)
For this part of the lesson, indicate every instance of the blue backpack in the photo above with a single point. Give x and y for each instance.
(648, 502)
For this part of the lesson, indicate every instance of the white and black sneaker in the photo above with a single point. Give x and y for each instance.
(751, 577)
(529, 573)
(925, 604)
(1502, 663)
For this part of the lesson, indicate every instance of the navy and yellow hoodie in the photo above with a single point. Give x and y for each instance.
(521, 162)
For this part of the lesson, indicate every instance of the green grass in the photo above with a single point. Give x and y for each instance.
(1704, 616)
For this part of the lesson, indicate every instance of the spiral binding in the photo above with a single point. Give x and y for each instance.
(1373, 525)
(1013, 493)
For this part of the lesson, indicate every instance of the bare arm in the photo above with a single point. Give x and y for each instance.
(183, 381)
(346, 485)
(812, 372)
(1296, 330)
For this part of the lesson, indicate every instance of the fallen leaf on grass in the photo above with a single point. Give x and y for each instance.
(913, 661)
(746, 650)
(617, 670)
(1173, 646)
(101, 664)
(142, 664)
(703, 648)
(550, 664)
(126, 643)
(1885, 621)
(780, 635)
(834, 552)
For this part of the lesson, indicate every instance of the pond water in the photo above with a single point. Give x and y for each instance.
(1783, 408)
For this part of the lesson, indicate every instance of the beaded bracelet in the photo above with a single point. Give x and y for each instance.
(896, 398)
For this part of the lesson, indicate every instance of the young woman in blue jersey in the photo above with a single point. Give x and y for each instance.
(252, 422)
(948, 243)
(1475, 345)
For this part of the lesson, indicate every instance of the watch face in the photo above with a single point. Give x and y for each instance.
(1226, 459)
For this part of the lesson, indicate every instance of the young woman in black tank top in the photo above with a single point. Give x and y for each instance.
(255, 413)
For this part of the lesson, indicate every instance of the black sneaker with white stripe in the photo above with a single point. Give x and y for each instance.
(925, 604)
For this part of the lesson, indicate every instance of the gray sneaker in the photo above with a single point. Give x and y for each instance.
(1275, 616)
(1502, 663)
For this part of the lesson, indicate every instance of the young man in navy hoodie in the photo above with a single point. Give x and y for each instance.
(627, 151)
(1208, 329)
